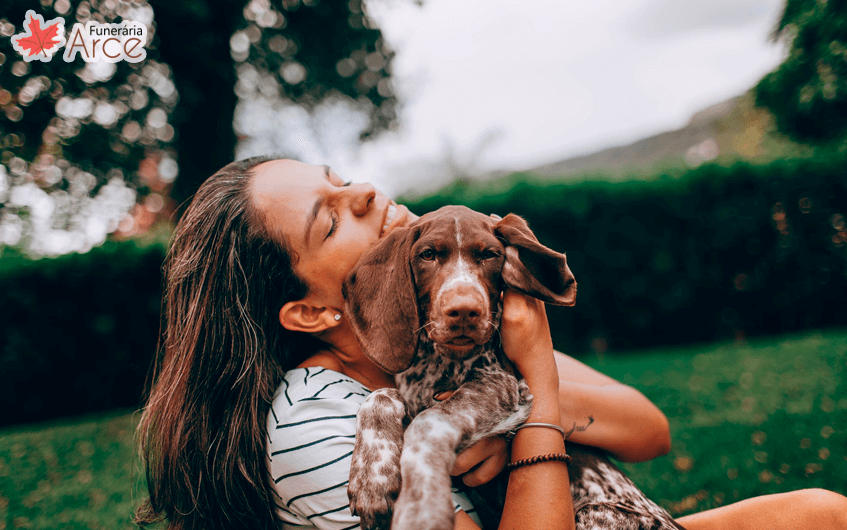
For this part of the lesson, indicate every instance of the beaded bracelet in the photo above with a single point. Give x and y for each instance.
(561, 457)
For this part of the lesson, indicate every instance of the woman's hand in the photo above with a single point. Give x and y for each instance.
(481, 462)
(525, 334)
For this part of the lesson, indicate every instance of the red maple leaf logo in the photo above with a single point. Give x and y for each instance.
(39, 41)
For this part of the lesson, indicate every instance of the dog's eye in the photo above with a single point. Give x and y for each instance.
(427, 255)
(488, 254)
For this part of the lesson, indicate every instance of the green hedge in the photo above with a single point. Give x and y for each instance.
(717, 253)
(78, 331)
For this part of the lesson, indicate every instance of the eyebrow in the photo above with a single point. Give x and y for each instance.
(313, 215)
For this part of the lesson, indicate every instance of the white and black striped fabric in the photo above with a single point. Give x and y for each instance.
(311, 432)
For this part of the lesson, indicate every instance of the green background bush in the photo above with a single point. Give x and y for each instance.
(79, 331)
(716, 253)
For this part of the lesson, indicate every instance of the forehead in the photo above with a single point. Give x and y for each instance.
(284, 179)
(285, 192)
(457, 224)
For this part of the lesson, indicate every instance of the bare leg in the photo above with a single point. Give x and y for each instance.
(816, 509)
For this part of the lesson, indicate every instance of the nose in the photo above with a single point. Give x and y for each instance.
(463, 307)
(361, 197)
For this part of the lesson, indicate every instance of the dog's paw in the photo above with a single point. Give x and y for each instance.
(372, 499)
(373, 489)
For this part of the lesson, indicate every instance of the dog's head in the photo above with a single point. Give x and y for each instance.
(443, 276)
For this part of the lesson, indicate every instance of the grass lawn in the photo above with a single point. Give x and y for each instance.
(746, 420)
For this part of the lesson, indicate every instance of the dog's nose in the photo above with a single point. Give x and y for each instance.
(462, 307)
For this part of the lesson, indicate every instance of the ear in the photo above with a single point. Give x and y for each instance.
(381, 303)
(532, 268)
(301, 315)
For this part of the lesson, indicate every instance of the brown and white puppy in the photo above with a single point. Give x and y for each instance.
(425, 304)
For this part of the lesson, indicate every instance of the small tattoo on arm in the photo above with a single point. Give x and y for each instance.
(579, 428)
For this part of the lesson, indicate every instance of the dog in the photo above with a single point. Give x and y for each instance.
(425, 304)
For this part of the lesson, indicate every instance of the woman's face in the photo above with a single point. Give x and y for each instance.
(330, 224)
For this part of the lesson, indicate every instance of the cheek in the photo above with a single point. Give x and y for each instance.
(347, 257)
(322, 271)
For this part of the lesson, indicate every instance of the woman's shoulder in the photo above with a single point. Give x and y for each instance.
(314, 398)
(316, 384)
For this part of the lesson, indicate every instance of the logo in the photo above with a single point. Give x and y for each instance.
(93, 41)
(40, 41)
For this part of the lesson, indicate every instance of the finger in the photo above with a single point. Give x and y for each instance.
(478, 452)
(521, 306)
(516, 306)
(489, 469)
(443, 396)
(496, 217)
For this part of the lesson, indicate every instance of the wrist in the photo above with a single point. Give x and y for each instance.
(538, 365)
(544, 388)
(536, 440)
(545, 408)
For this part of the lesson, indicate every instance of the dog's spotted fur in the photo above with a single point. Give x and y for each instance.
(489, 398)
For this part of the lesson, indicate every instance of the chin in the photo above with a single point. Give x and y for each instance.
(456, 353)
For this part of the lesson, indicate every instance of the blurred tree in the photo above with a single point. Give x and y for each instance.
(807, 93)
(306, 51)
(81, 143)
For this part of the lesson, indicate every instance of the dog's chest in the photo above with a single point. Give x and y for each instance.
(431, 373)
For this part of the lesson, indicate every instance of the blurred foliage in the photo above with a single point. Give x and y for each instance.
(303, 50)
(720, 252)
(745, 421)
(808, 92)
(78, 332)
(68, 130)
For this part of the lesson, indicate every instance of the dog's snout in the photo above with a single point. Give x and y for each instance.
(464, 305)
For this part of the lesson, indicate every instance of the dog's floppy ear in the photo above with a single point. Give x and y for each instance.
(532, 268)
(381, 302)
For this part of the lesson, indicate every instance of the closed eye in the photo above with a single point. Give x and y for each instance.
(333, 225)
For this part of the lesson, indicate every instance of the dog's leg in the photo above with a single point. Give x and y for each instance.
(375, 466)
(604, 497)
(479, 408)
(425, 501)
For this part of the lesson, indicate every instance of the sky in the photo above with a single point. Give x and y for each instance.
(493, 85)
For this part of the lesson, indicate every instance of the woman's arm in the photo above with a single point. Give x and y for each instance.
(607, 414)
(538, 495)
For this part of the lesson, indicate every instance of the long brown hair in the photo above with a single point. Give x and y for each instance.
(223, 353)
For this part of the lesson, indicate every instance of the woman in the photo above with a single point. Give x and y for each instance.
(253, 304)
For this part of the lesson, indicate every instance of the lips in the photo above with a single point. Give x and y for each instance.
(460, 344)
(395, 215)
(389, 218)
